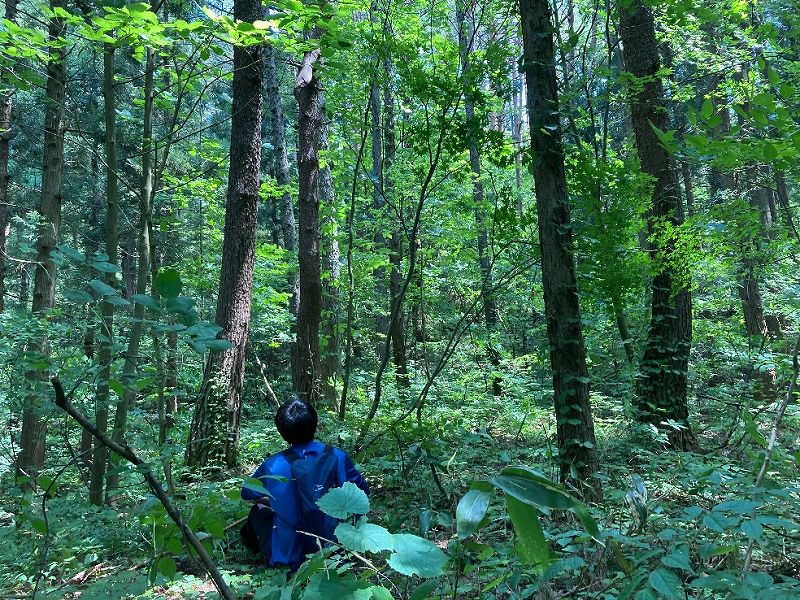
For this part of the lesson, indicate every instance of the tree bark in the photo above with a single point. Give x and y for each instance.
(466, 34)
(214, 433)
(106, 354)
(5, 143)
(34, 428)
(307, 92)
(144, 243)
(331, 360)
(576, 440)
(396, 326)
(661, 393)
(283, 178)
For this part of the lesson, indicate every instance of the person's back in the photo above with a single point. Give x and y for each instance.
(277, 518)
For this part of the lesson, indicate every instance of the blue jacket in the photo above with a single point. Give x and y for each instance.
(286, 542)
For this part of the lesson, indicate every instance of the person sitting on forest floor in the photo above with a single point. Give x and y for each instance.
(281, 521)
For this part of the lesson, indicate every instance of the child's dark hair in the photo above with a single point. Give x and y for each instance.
(296, 421)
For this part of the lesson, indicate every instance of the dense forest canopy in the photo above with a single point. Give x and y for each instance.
(535, 263)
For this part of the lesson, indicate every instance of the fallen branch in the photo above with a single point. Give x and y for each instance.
(125, 452)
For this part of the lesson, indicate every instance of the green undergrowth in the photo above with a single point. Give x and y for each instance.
(671, 525)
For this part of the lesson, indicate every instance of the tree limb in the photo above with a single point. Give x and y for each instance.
(125, 452)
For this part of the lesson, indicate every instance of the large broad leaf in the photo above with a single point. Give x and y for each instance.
(328, 585)
(532, 546)
(102, 288)
(470, 512)
(344, 501)
(414, 555)
(531, 487)
(168, 283)
(666, 583)
(364, 537)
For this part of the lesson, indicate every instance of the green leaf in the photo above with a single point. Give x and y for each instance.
(414, 555)
(39, 525)
(666, 583)
(364, 537)
(718, 522)
(146, 301)
(102, 288)
(423, 590)
(532, 546)
(470, 512)
(168, 283)
(380, 593)
(532, 488)
(78, 297)
(344, 501)
(707, 109)
(167, 567)
(678, 558)
(786, 90)
(752, 529)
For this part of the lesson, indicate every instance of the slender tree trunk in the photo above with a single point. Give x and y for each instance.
(783, 201)
(397, 327)
(214, 434)
(34, 428)
(663, 369)
(307, 91)
(106, 354)
(331, 360)
(576, 441)
(466, 34)
(379, 205)
(133, 350)
(688, 189)
(284, 180)
(5, 142)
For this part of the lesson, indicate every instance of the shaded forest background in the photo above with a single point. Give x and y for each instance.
(475, 234)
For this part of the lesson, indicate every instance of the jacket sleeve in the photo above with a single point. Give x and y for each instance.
(352, 475)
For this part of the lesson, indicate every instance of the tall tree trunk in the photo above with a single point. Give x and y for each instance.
(106, 354)
(5, 142)
(397, 326)
(331, 360)
(783, 201)
(214, 433)
(34, 428)
(576, 441)
(379, 205)
(466, 35)
(307, 91)
(142, 266)
(284, 180)
(661, 394)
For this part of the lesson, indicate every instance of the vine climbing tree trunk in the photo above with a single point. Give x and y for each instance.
(34, 428)
(576, 441)
(331, 360)
(5, 143)
(214, 433)
(661, 391)
(307, 92)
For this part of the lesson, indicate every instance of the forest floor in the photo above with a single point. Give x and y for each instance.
(689, 517)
